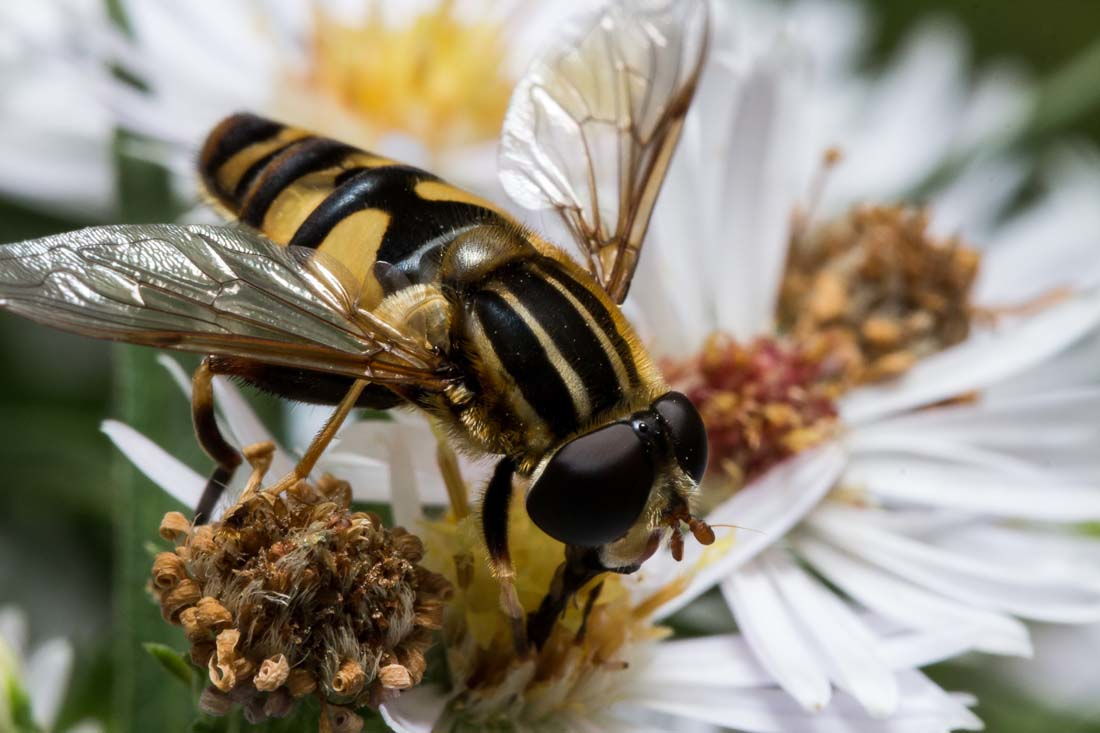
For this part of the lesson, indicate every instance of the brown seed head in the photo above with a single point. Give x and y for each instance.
(877, 291)
(293, 593)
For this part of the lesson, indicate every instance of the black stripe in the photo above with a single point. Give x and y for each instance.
(257, 168)
(314, 155)
(233, 135)
(522, 356)
(570, 330)
(597, 311)
(413, 220)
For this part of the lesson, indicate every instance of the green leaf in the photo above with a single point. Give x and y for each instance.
(172, 661)
(146, 399)
(19, 706)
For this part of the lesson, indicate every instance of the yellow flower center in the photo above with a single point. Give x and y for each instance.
(580, 669)
(439, 78)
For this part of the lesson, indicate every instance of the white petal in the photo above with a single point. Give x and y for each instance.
(1047, 419)
(761, 187)
(925, 709)
(766, 508)
(244, 426)
(916, 649)
(369, 478)
(984, 359)
(982, 582)
(13, 630)
(911, 605)
(1051, 243)
(848, 647)
(972, 489)
(775, 636)
(919, 97)
(47, 679)
(161, 467)
(403, 490)
(415, 710)
(725, 660)
(969, 206)
(867, 444)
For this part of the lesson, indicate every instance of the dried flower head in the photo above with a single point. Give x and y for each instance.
(762, 401)
(292, 594)
(878, 290)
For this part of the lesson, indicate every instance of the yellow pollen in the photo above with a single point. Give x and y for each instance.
(875, 291)
(438, 78)
(574, 672)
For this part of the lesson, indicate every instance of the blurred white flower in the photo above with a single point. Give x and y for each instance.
(36, 678)
(1063, 675)
(55, 136)
(944, 500)
(426, 82)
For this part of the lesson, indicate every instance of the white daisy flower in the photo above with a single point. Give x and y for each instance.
(938, 500)
(618, 671)
(33, 682)
(623, 677)
(55, 138)
(425, 82)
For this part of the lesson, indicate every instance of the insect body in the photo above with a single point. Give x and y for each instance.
(352, 279)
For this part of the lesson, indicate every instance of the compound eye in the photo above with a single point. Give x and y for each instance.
(594, 488)
(689, 435)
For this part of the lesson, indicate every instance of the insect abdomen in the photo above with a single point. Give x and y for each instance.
(308, 191)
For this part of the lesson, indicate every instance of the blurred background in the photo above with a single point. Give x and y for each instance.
(60, 528)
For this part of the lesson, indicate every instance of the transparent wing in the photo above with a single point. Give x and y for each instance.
(592, 126)
(209, 289)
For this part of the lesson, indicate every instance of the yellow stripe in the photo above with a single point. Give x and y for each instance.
(573, 382)
(605, 342)
(440, 191)
(354, 243)
(536, 433)
(296, 202)
(231, 172)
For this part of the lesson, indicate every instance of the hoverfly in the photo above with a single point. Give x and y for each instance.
(353, 280)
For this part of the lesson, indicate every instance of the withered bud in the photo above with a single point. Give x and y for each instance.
(212, 701)
(273, 673)
(344, 720)
(395, 677)
(349, 679)
(168, 571)
(223, 672)
(286, 584)
(278, 704)
(300, 683)
(186, 593)
(174, 527)
(204, 619)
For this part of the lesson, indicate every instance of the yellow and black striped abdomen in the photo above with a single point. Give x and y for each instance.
(308, 191)
(557, 354)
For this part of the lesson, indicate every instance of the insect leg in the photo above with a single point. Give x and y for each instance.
(581, 565)
(494, 525)
(225, 456)
(320, 441)
(589, 604)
